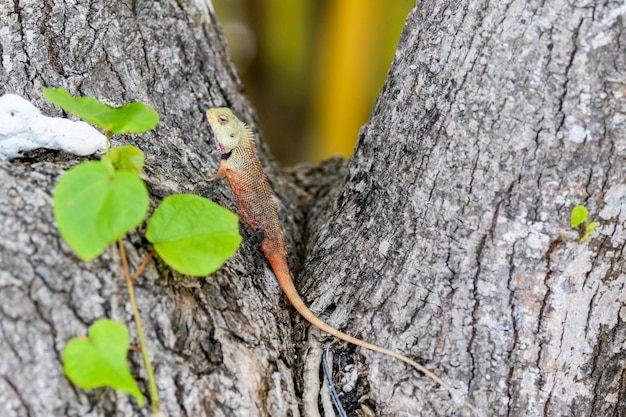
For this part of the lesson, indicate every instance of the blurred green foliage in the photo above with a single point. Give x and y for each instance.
(313, 69)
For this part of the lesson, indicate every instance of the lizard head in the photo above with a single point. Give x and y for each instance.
(230, 132)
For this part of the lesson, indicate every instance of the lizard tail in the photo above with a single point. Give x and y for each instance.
(281, 270)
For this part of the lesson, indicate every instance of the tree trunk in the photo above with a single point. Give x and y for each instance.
(445, 237)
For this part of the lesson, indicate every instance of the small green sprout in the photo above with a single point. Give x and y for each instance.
(580, 215)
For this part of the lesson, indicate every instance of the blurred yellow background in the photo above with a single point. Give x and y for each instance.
(313, 69)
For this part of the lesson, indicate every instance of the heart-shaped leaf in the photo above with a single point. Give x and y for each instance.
(126, 158)
(578, 216)
(192, 234)
(100, 359)
(94, 205)
(131, 118)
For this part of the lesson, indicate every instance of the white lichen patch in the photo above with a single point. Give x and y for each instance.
(613, 214)
(536, 240)
(614, 200)
(23, 128)
(383, 248)
(577, 134)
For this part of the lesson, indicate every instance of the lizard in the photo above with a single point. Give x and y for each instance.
(240, 165)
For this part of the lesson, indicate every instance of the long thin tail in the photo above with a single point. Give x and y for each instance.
(281, 270)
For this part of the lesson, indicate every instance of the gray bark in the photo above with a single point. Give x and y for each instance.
(445, 237)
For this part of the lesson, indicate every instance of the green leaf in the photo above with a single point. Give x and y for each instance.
(126, 158)
(95, 205)
(578, 216)
(100, 359)
(588, 230)
(193, 235)
(132, 118)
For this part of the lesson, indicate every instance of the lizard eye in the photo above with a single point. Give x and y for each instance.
(232, 135)
(222, 120)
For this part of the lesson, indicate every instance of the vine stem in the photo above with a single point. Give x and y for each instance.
(143, 265)
(154, 395)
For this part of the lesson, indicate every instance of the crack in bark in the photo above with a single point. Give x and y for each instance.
(44, 318)
(536, 139)
(18, 394)
(594, 366)
(544, 306)
(53, 57)
(468, 49)
(179, 394)
(546, 406)
(17, 10)
(568, 67)
(476, 306)
(620, 393)
(142, 38)
(599, 256)
(514, 324)
(589, 311)
(441, 336)
(471, 175)
(12, 348)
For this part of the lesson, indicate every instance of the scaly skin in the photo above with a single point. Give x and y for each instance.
(241, 167)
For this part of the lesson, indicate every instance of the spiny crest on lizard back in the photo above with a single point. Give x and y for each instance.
(229, 131)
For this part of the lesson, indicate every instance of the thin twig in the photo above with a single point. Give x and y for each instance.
(154, 395)
(143, 265)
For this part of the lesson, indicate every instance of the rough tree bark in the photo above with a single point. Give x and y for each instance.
(445, 237)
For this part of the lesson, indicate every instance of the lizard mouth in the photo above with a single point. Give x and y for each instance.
(220, 149)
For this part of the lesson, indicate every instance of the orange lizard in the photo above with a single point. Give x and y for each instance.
(241, 167)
